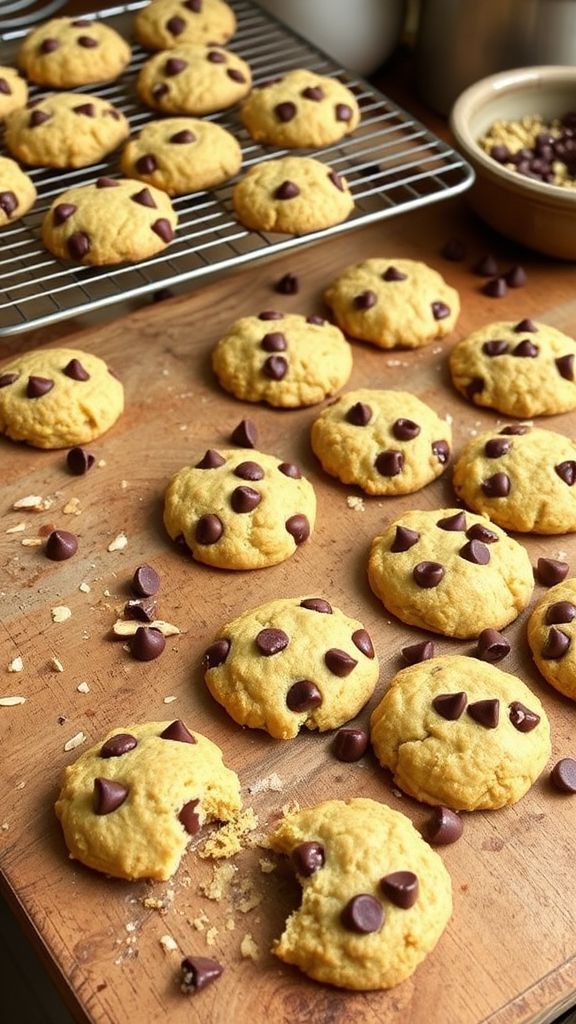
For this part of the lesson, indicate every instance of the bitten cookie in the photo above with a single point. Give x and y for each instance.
(164, 24)
(523, 479)
(450, 571)
(293, 195)
(552, 637)
(521, 369)
(300, 110)
(58, 397)
(284, 359)
(193, 79)
(13, 91)
(375, 898)
(128, 807)
(393, 303)
(386, 442)
(66, 52)
(459, 732)
(292, 662)
(67, 129)
(17, 191)
(240, 509)
(182, 154)
(113, 221)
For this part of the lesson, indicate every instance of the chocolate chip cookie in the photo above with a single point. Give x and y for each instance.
(292, 195)
(552, 637)
(164, 24)
(66, 129)
(300, 110)
(66, 52)
(13, 91)
(194, 79)
(182, 154)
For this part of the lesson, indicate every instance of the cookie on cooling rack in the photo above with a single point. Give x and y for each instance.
(164, 24)
(66, 129)
(182, 154)
(292, 195)
(195, 79)
(552, 637)
(66, 52)
(302, 109)
(17, 191)
(13, 91)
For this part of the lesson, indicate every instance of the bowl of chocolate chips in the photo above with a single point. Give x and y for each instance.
(518, 130)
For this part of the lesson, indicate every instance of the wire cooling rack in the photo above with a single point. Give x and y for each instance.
(392, 163)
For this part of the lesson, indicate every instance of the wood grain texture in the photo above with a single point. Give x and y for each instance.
(508, 955)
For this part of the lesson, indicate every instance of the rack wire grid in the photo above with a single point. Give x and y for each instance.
(392, 164)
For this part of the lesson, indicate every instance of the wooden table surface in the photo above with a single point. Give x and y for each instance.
(508, 954)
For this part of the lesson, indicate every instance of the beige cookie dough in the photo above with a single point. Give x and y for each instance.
(13, 91)
(17, 191)
(386, 442)
(292, 195)
(523, 368)
(552, 637)
(115, 220)
(58, 397)
(523, 481)
(342, 850)
(300, 110)
(459, 732)
(66, 52)
(450, 571)
(287, 361)
(240, 509)
(289, 663)
(182, 154)
(393, 303)
(195, 79)
(66, 129)
(129, 806)
(164, 24)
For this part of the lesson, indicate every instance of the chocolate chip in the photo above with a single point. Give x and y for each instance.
(401, 888)
(415, 653)
(496, 288)
(365, 300)
(567, 471)
(287, 285)
(88, 42)
(526, 349)
(339, 662)
(271, 641)
(118, 745)
(146, 164)
(5, 88)
(146, 644)
(350, 744)
(177, 731)
(482, 533)
(475, 387)
(211, 460)
(440, 310)
(565, 366)
(405, 430)
(142, 609)
(8, 378)
(303, 696)
(318, 604)
(159, 90)
(145, 198)
(194, 5)
(359, 414)
(287, 190)
(487, 267)
(443, 827)
(521, 717)
(275, 367)
(175, 66)
(274, 341)
(245, 435)
(285, 111)
(560, 611)
(404, 539)
(563, 775)
(476, 552)
(485, 712)
(336, 180)
(361, 639)
(216, 654)
(492, 646)
(496, 347)
(313, 92)
(176, 25)
(78, 245)
(61, 545)
(393, 274)
(235, 75)
(515, 428)
(298, 527)
(38, 386)
(450, 705)
(62, 212)
(249, 471)
(198, 971)
(496, 486)
(363, 914)
(389, 463)
(188, 817)
(108, 796)
(516, 277)
(145, 581)
(106, 183)
(497, 447)
(550, 571)
(87, 109)
(163, 229)
(8, 202)
(526, 327)
(245, 499)
(48, 45)
(455, 523)
(209, 529)
(270, 314)
(76, 371)
(557, 643)
(317, 320)
(428, 574)
(500, 153)
(78, 460)
(441, 450)
(343, 112)
(308, 858)
(290, 469)
(454, 250)
(216, 57)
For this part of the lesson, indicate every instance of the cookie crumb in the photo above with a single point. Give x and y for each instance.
(249, 948)
(228, 840)
(75, 741)
(101, 463)
(169, 700)
(60, 613)
(211, 936)
(129, 627)
(33, 503)
(16, 665)
(56, 665)
(84, 588)
(230, 924)
(31, 542)
(72, 507)
(119, 542)
(355, 502)
(19, 528)
(267, 865)
(169, 945)
(83, 688)
(219, 884)
(11, 702)
(270, 782)
(200, 922)
(250, 898)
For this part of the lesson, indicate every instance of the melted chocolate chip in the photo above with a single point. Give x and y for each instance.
(450, 705)
(175, 66)
(211, 460)
(350, 744)
(285, 111)
(401, 888)
(389, 463)
(146, 644)
(287, 190)
(108, 796)
(146, 164)
(496, 486)
(560, 611)
(198, 971)
(144, 198)
(308, 858)
(287, 285)
(496, 347)
(567, 471)
(209, 529)
(61, 545)
(245, 499)
(78, 245)
(163, 229)
(245, 435)
(485, 712)
(428, 574)
(38, 386)
(365, 300)
(404, 539)
(443, 827)
(440, 310)
(303, 696)
(339, 662)
(556, 645)
(359, 414)
(526, 349)
(274, 341)
(76, 371)
(363, 914)
(526, 327)
(441, 450)
(405, 430)
(318, 604)
(290, 469)
(550, 571)
(177, 731)
(486, 267)
(565, 366)
(415, 653)
(393, 274)
(188, 817)
(521, 717)
(482, 533)
(275, 367)
(455, 523)
(563, 775)
(476, 552)
(249, 471)
(361, 639)
(271, 641)
(298, 527)
(216, 654)
(145, 581)
(78, 460)
(343, 112)
(176, 25)
(496, 447)
(496, 288)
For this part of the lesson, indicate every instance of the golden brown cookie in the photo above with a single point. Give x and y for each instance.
(164, 24)
(293, 195)
(194, 79)
(552, 637)
(66, 129)
(301, 110)
(182, 154)
(66, 52)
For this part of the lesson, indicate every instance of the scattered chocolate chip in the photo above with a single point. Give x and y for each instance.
(496, 486)
(443, 827)
(290, 469)
(87, 109)
(336, 180)
(211, 460)
(298, 527)
(361, 639)
(567, 471)
(557, 643)
(496, 288)
(8, 202)
(274, 341)
(61, 545)
(245, 499)
(428, 574)
(450, 705)
(249, 471)
(401, 888)
(145, 581)
(565, 366)
(455, 523)
(476, 552)
(359, 414)
(188, 817)
(492, 646)
(526, 327)
(198, 971)
(563, 775)
(485, 712)
(350, 744)
(522, 718)
(482, 533)
(415, 653)
(106, 183)
(209, 529)
(393, 274)
(216, 57)
(287, 190)
(88, 42)
(303, 696)
(440, 310)
(78, 460)
(363, 914)
(404, 539)
(454, 250)
(62, 212)
(176, 25)
(516, 277)
(275, 367)
(163, 229)
(175, 66)
(8, 378)
(235, 75)
(316, 604)
(141, 609)
(287, 285)
(78, 245)
(317, 320)
(560, 611)
(146, 164)
(365, 300)
(76, 371)
(343, 112)
(270, 314)
(146, 644)
(308, 858)
(245, 435)
(496, 447)
(313, 92)
(285, 111)
(38, 117)
(496, 347)
(441, 450)
(144, 198)
(108, 796)
(389, 463)
(177, 731)
(271, 641)
(550, 571)
(405, 430)
(118, 745)
(339, 662)
(216, 654)
(526, 349)
(486, 267)
(38, 386)
(48, 45)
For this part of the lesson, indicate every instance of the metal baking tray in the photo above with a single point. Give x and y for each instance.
(392, 163)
